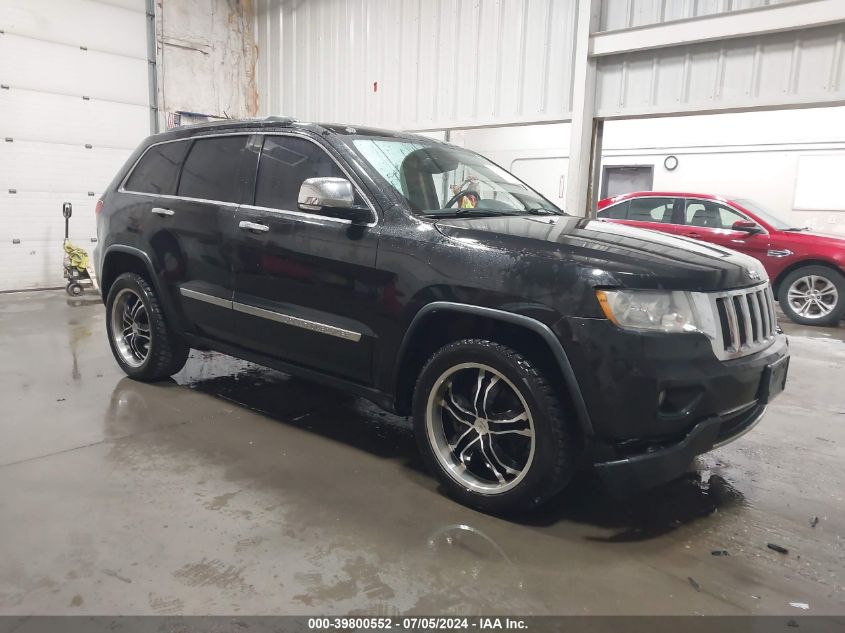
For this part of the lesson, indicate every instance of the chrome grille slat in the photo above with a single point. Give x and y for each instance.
(733, 325)
(756, 308)
(746, 321)
(764, 312)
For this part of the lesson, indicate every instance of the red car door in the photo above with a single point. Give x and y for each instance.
(713, 222)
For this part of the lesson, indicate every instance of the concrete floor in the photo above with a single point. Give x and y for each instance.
(236, 489)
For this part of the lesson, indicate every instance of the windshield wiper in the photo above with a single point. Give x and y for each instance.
(797, 229)
(543, 211)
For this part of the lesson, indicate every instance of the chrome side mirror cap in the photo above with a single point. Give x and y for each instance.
(318, 193)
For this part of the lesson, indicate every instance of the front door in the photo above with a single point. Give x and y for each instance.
(711, 221)
(306, 287)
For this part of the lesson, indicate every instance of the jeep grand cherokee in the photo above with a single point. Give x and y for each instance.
(525, 342)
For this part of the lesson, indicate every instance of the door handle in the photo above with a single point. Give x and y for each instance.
(253, 226)
(162, 212)
(693, 234)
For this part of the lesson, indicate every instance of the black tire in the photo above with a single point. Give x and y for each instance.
(554, 454)
(165, 353)
(74, 289)
(826, 277)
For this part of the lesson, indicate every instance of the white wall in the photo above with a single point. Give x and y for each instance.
(74, 104)
(418, 64)
(755, 155)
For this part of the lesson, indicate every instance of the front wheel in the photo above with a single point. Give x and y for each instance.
(142, 343)
(490, 426)
(813, 295)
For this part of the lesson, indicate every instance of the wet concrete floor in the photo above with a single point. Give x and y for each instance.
(236, 489)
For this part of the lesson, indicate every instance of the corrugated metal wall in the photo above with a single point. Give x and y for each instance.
(623, 14)
(416, 64)
(779, 69)
(437, 64)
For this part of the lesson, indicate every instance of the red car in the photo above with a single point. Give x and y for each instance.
(807, 270)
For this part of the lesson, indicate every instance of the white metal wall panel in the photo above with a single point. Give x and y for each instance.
(58, 68)
(52, 54)
(624, 14)
(39, 167)
(97, 26)
(35, 219)
(782, 69)
(53, 118)
(416, 64)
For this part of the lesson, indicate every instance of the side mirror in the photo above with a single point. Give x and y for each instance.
(747, 226)
(317, 194)
(67, 209)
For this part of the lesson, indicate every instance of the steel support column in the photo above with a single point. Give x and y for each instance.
(585, 131)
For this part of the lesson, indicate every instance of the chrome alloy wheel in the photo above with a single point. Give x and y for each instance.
(480, 428)
(130, 326)
(812, 297)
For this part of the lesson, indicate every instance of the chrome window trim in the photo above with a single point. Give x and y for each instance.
(370, 205)
(305, 324)
(201, 296)
(167, 196)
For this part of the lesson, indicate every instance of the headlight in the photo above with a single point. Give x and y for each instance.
(658, 310)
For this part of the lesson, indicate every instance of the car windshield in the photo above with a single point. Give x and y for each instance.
(441, 180)
(764, 215)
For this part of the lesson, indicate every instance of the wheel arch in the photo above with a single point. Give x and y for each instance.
(119, 259)
(801, 264)
(442, 322)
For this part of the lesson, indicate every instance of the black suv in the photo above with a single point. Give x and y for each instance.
(525, 342)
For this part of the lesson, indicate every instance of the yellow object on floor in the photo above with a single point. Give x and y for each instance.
(78, 256)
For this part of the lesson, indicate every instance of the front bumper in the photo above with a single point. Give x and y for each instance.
(656, 401)
(631, 474)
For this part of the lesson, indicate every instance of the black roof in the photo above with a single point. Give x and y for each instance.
(277, 123)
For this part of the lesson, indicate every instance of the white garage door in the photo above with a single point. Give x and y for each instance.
(74, 103)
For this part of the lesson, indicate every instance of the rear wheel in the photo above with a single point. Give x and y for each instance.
(74, 289)
(491, 428)
(813, 295)
(143, 345)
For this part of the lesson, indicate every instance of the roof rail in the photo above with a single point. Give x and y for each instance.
(284, 120)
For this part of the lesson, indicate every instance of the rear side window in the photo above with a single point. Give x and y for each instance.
(215, 169)
(158, 169)
(615, 212)
(287, 161)
(651, 210)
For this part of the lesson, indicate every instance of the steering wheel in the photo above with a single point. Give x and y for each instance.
(461, 194)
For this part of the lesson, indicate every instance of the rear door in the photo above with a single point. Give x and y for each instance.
(306, 287)
(711, 221)
(189, 232)
(657, 213)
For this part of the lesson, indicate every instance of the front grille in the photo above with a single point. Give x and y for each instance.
(747, 321)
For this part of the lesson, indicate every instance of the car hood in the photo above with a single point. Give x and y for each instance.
(611, 254)
(822, 239)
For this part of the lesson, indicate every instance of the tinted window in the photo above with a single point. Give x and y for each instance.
(651, 210)
(214, 169)
(285, 163)
(158, 169)
(711, 215)
(615, 212)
